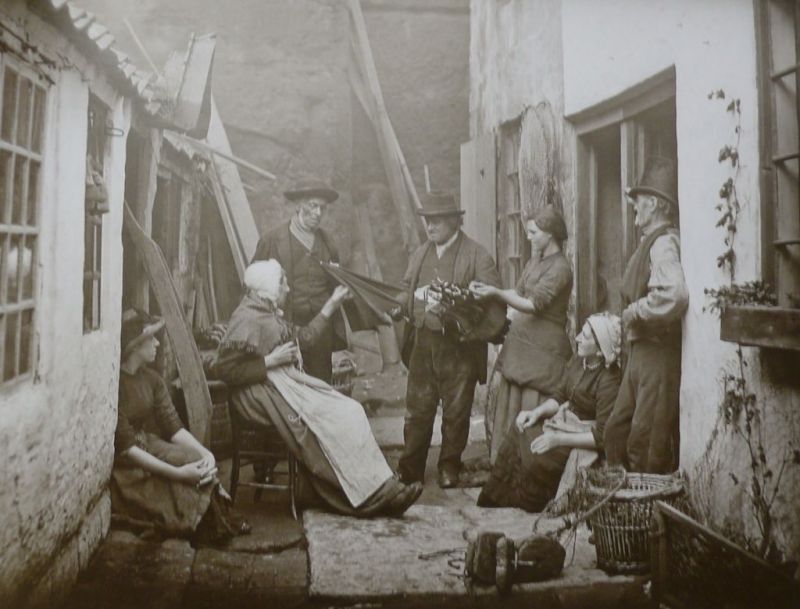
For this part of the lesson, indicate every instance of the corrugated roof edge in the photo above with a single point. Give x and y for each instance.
(95, 39)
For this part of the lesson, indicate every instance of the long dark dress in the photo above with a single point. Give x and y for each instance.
(536, 349)
(240, 363)
(528, 481)
(147, 419)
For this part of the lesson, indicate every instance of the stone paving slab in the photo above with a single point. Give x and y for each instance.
(128, 573)
(409, 564)
(244, 580)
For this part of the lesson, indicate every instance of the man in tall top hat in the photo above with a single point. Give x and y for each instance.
(442, 363)
(300, 245)
(642, 431)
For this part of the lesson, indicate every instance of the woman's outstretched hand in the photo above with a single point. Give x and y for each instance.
(482, 290)
(282, 355)
(335, 300)
(527, 418)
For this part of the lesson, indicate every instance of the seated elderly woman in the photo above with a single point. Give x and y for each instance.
(535, 453)
(163, 480)
(329, 434)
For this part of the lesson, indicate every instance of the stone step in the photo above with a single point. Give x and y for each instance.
(417, 561)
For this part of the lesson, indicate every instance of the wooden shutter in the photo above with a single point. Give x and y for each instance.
(478, 190)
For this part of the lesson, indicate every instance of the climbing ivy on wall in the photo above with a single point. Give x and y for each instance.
(741, 411)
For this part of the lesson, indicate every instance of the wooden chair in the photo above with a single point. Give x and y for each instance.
(263, 448)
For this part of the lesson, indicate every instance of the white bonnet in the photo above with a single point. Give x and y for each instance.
(264, 277)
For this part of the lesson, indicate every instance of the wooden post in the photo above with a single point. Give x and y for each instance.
(231, 192)
(187, 358)
(144, 200)
(402, 188)
(386, 336)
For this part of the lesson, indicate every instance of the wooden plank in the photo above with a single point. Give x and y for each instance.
(192, 110)
(397, 172)
(359, 88)
(591, 276)
(771, 327)
(629, 173)
(144, 199)
(479, 190)
(582, 232)
(390, 352)
(240, 259)
(190, 368)
(238, 206)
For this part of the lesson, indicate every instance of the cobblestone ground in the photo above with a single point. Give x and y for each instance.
(323, 560)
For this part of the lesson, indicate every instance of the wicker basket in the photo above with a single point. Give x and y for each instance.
(621, 526)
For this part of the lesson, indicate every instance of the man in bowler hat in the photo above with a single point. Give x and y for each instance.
(442, 364)
(300, 245)
(642, 432)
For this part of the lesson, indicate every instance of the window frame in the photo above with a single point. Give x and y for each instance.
(780, 219)
(92, 288)
(28, 226)
(512, 242)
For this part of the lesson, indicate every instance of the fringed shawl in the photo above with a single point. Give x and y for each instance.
(255, 328)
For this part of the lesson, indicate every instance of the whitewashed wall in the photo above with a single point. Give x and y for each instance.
(613, 45)
(57, 430)
(575, 54)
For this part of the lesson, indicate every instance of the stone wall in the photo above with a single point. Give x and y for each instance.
(57, 428)
(516, 74)
(280, 80)
(572, 56)
(712, 46)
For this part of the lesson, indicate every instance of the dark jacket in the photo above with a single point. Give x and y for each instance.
(472, 262)
(277, 244)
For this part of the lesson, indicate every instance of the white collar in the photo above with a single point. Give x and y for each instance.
(441, 249)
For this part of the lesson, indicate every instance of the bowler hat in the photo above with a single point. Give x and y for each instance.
(137, 326)
(659, 178)
(439, 203)
(310, 189)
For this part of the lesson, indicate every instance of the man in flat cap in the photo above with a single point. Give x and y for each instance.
(642, 431)
(442, 364)
(300, 245)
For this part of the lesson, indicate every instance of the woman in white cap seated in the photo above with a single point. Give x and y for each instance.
(329, 434)
(530, 466)
(163, 481)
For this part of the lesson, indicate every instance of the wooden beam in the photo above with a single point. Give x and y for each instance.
(227, 156)
(759, 326)
(390, 351)
(190, 367)
(403, 191)
(234, 196)
(240, 260)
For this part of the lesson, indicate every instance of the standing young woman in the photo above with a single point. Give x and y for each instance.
(536, 348)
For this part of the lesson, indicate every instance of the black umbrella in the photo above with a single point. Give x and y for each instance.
(372, 300)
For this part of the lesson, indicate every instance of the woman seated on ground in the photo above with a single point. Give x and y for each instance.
(535, 453)
(163, 481)
(327, 432)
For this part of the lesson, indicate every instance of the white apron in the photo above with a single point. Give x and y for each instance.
(342, 429)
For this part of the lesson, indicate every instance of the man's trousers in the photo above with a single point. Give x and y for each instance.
(440, 368)
(642, 432)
